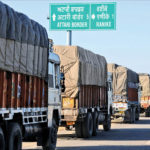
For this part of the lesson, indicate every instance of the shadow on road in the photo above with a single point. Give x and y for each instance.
(111, 147)
(106, 148)
(115, 134)
(144, 121)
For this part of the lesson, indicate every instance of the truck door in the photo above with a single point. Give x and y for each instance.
(54, 84)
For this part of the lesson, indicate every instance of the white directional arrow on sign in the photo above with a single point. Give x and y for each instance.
(93, 16)
(54, 17)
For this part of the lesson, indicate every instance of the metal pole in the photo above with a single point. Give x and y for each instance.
(69, 37)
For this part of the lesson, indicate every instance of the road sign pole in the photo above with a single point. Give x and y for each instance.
(69, 37)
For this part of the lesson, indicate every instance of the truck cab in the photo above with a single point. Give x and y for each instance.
(55, 84)
(110, 93)
(54, 88)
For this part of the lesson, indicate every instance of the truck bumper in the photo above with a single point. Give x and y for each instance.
(119, 114)
(69, 114)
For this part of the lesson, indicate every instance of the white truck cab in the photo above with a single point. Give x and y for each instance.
(110, 93)
(54, 88)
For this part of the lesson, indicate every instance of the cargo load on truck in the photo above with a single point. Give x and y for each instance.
(145, 94)
(23, 43)
(124, 82)
(81, 67)
(125, 88)
(25, 60)
(86, 85)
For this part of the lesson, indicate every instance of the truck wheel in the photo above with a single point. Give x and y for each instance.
(129, 116)
(95, 123)
(133, 115)
(2, 140)
(147, 112)
(107, 123)
(14, 137)
(78, 129)
(87, 127)
(137, 116)
(52, 137)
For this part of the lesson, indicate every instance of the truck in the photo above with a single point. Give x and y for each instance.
(126, 93)
(30, 83)
(145, 94)
(85, 102)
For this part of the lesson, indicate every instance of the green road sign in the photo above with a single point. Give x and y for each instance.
(103, 16)
(82, 16)
(69, 16)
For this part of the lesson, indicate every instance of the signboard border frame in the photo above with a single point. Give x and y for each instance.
(113, 29)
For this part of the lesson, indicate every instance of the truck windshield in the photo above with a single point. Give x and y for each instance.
(50, 75)
(53, 75)
(57, 78)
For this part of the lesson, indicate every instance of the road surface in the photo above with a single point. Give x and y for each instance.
(120, 137)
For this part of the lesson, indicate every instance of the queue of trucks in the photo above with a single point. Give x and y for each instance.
(44, 86)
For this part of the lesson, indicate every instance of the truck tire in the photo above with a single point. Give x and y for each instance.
(52, 137)
(14, 137)
(107, 123)
(147, 112)
(137, 115)
(78, 129)
(2, 140)
(95, 123)
(129, 116)
(87, 127)
(133, 115)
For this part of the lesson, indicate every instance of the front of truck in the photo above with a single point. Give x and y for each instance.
(54, 86)
(126, 92)
(54, 98)
(120, 105)
(119, 98)
(126, 102)
(145, 93)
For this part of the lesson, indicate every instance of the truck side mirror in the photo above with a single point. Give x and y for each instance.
(62, 79)
(109, 86)
(141, 88)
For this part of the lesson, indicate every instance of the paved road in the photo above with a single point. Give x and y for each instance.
(121, 137)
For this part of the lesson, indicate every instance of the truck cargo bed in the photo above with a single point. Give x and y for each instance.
(92, 96)
(21, 91)
(132, 94)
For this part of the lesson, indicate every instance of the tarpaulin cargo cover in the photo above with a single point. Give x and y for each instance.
(123, 78)
(82, 67)
(23, 43)
(145, 83)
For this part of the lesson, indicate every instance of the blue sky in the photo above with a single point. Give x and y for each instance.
(128, 45)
